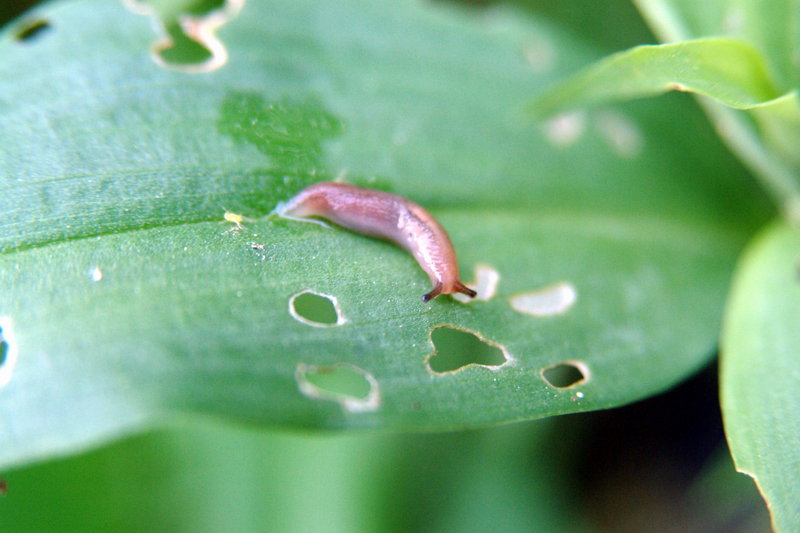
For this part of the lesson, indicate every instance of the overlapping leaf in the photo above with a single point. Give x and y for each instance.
(761, 371)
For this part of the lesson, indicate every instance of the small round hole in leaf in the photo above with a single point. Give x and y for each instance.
(315, 309)
(455, 348)
(565, 375)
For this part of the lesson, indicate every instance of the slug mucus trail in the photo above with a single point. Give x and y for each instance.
(386, 216)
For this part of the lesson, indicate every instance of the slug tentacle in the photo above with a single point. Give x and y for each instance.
(463, 289)
(437, 290)
(387, 216)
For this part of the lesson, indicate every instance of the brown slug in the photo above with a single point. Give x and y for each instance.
(387, 216)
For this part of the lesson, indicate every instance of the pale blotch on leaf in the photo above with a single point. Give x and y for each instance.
(455, 349)
(565, 375)
(202, 30)
(564, 129)
(8, 351)
(621, 133)
(733, 20)
(316, 309)
(554, 299)
(539, 54)
(355, 389)
(486, 280)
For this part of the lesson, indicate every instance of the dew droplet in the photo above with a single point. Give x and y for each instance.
(95, 274)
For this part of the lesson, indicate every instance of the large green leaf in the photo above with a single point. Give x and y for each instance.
(761, 371)
(125, 301)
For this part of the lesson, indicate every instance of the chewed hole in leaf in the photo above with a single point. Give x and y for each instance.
(31, 30)
(566, 374)
(454, 349)
(316, 309)
(353, 387)
(189, 42)
(183, 50)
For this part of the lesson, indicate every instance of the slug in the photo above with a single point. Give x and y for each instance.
(386, 216)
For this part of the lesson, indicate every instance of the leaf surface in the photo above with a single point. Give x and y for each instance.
(760, 371)
(127, 300)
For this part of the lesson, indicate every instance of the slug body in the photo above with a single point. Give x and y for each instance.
(386, 216)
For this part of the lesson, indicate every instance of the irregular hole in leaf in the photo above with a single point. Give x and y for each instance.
(316, 309)
(353, 387)
(188, 40)
(32, 29)
(455, 348)
(554, 299)
(8, 351)
(565, 375)
(486, 280)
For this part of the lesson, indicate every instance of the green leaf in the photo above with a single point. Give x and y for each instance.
(761, 368)
(727, 70)
(771, 26)
(127, 300)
